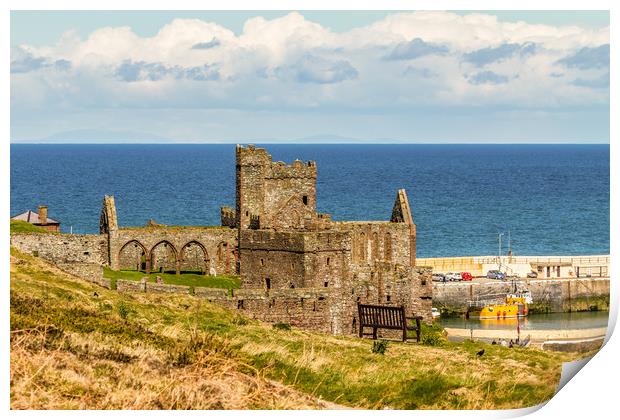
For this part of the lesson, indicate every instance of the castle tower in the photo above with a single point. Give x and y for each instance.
(273, 194)
(252, 164)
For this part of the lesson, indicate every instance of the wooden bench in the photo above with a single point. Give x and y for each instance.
(388, 317)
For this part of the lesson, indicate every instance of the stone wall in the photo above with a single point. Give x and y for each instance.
(298, 259)
(563, 295)
(87, 271)
(61, 248)
(377, 241)
(130, 286)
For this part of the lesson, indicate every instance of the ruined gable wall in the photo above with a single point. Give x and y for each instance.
(108, 221)
(379, 270)
(293, 214)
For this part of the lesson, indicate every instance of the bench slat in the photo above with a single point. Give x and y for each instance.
(387, 317)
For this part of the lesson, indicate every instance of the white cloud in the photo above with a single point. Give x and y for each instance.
(419, 58)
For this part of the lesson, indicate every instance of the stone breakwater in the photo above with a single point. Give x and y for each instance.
(575, 340)
(549, 295)
(537, 336)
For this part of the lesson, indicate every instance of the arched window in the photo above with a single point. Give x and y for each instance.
(362, 247)
(387, 248)
(164, 257)
(374, 247)
(194, 258)
(132, 256)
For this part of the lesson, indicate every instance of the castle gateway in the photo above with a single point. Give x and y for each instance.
(296, 265)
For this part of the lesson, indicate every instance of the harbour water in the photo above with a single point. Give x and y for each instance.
(552, 321)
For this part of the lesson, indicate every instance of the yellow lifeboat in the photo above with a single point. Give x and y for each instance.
(514, 306)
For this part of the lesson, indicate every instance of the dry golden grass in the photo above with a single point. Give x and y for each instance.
(47, 376)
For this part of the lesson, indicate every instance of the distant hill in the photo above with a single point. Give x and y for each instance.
(100, 136)
(328, 138)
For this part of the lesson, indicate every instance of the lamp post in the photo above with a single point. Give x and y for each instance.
(499, 251)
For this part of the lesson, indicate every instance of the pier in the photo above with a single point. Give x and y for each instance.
(582, 266)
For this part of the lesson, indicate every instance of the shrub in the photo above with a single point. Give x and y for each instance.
(123, 309)
(240, 320)
(201, 348)
(379, 347)
(281, 326)
(432, 335)
(104, 307)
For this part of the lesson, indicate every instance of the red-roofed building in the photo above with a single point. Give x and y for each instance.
(39, 219)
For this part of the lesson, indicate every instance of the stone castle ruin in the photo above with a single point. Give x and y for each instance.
(296, 265)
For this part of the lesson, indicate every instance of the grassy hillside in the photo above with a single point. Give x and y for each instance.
(19, 226)
(76, 345)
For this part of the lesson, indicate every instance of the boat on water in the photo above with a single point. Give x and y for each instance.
(514, 305)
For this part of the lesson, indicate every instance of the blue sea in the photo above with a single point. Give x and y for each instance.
(554, 199)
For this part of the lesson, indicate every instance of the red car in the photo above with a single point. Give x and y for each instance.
(466, 276)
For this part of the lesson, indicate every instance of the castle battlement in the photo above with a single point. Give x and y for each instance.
(252, 156)
(228, 217)
(298, 169)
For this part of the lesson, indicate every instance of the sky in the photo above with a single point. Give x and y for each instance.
(269, 76)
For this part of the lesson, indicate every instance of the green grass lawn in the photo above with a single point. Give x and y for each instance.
(19, 226)
(74, 348)
(183, 279)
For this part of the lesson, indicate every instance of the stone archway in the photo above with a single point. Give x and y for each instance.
(164, 258)
(133, 256)
(194, 257)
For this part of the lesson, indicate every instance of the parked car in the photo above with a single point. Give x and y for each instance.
(466, 276)
(495, 274)
(532, 275)
(453, 276)
(438, 277)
